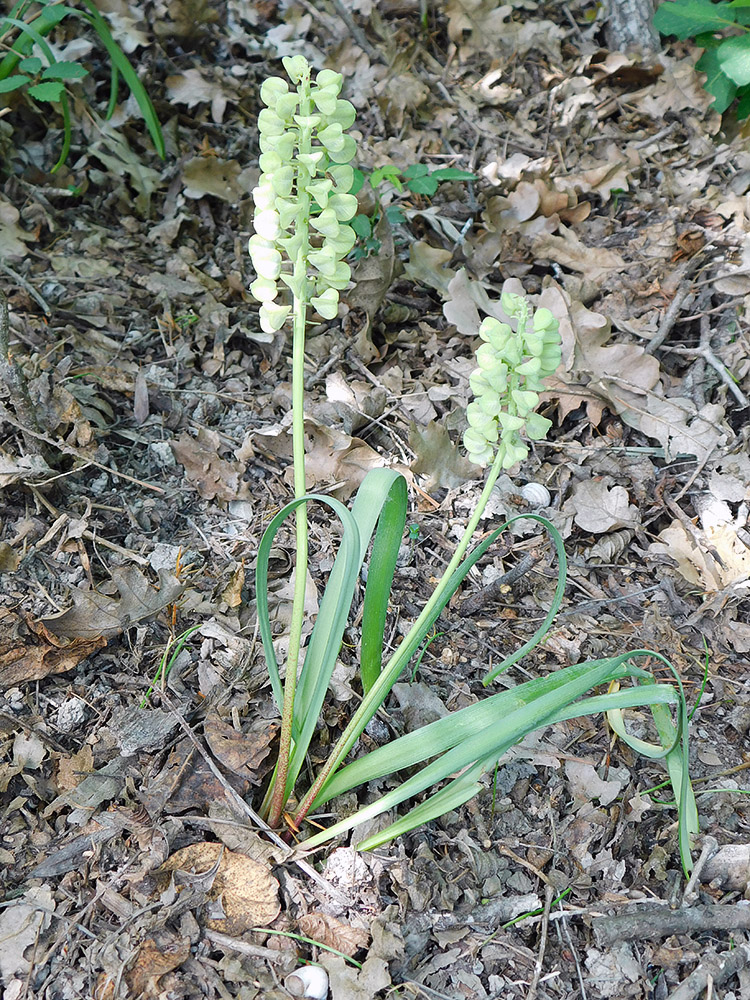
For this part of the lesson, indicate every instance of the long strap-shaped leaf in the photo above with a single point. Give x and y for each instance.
(381, 501)
(376, 695)
(492, 739)
(345, 566)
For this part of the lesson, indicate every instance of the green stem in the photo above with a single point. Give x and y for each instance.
(398, 661)
(299, 318)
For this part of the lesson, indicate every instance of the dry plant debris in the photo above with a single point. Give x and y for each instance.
(134, 490)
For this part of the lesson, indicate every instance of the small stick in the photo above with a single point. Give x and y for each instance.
(494, 590)
(670, 316)
(650, 922)
(708, 355)
(713, 970)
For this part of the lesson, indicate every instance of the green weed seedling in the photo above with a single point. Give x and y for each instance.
(43, 78)
(417, 178)
(726, 57)
(304, 207)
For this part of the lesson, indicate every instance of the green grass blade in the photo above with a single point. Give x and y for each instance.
(123, 65)
(385, 548)
(344, 567)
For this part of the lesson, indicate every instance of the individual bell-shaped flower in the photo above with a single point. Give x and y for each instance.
(273, 316)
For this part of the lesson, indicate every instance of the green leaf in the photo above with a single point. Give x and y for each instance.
(733, 56)
(121, 64)
(743, 104)
(31, 65)
(387, 173)
(426, 185)
(51, 91)
(362, 226)
(416, 170)
(14, 83)
(395, 215)
(687, 18)
(717, 82)
(453, 174)
(65, 71)
(359, 180)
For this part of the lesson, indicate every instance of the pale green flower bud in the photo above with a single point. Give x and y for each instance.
(297, 68)
(271, 89)
(304, 187)
(327, 304)
(266, 224)
(264, 289)
(273, 316)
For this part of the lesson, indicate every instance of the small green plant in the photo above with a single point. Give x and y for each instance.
(417, 179)
(725, 60)
(303, 206)
(42, 77)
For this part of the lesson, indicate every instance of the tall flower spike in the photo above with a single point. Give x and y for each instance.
(302, 201)
(507, 383)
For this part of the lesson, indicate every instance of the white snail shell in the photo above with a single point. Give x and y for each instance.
(309, 981)
(536, 494)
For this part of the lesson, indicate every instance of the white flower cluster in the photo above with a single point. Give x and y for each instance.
(507, 383)
(304, 184)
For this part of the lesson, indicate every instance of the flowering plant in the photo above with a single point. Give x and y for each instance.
(301, 239)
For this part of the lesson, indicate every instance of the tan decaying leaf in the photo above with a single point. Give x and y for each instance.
(625, 379)
(192, 88)
(72, 770)
(99, 615)
(336, 461)
(429, 266)
(438, 458)
(348, 983)
(714, 556)
(570, 252)
(156, 956)
(240, 752)
(215, 478)
(602, 177)
(27, 468)
(29, 652)
(232, 593)
(20, 925)
(325, 929)
(586, 784)
(246, 889)
(204, 175)
(13, 238)
(600, 507)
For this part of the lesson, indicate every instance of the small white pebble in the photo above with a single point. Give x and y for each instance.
(309, 981)
(536, 494)
(70, 715)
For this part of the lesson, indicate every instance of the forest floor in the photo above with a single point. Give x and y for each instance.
(157, 449)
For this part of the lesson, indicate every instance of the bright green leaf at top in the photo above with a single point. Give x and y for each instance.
(51, 91)
(717, 82)
(31, 65)
(687, 18)
(296, 68)
(733, 56)
(343, 114)
(65, 71)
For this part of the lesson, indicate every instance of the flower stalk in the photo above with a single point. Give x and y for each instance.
(302, 203)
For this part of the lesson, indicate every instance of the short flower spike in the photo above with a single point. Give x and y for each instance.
(507, 384)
